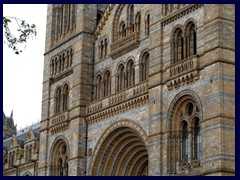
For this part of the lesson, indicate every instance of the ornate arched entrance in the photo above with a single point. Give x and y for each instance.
(121, 151)
(59, 157)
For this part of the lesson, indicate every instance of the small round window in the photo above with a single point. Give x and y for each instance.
(189, 109)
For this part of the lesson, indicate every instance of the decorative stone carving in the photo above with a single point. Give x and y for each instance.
(175, 15)
(125, 45)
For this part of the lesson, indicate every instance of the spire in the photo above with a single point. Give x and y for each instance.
(12, 114)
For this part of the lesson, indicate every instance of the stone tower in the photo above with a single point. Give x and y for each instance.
(67, 87)
(138, 89)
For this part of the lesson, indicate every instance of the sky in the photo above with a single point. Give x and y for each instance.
(23, 74)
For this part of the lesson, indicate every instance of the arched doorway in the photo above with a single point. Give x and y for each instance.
(122, 152)
(59, 158)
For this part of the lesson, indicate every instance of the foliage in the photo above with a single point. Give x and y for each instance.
(25, 31)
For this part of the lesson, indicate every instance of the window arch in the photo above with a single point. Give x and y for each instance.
(65, 20)
(184, 126)
(59, 158)
(58, 99)
(178, 45)
(123, 31)
(130, 73)
(103, 47)
(131, 17)
(191, 40)
(107, 83)
(138, 21)
(144, 66)
(65, 97)
(147, 24)
(184, 42)
(98, 87)
(120, 77)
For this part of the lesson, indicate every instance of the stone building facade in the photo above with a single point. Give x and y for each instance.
(138, 90)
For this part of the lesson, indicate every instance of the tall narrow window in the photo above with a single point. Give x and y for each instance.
(65, 97)
(131, 18)
(123, 31)
(107, 83)
(105, 47)
(58, 101)
(121, 77)
(130, 74)
(192, 40)
(138, 22)
(185, 142)
(147, 25)
(197, 139)
(98, 87)
(101, 49)
(145, 66)
(180, 46)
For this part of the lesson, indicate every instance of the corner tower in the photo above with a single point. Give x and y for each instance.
(67, 87)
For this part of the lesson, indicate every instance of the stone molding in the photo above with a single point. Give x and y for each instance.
(180, 13)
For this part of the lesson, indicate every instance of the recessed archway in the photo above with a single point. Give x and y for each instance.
(121, 153)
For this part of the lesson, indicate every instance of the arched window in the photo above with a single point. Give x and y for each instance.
(101, 48)
(65, 97)
(130, 74)
(144, 66)
(52, 67)
(58, 101)
(123, 31)
(105, 47)
(63, 62)
(98, 90)
(185, 142)
(197, 139)
(138, 21)
(107, 83)
(147, 24)
(121, 78)
(191, 40)
(56, 66)
(178, 46)
(131, 18)
(64, 18)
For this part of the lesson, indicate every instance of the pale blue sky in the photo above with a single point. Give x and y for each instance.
(23, 74)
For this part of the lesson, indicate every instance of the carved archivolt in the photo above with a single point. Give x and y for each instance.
(106, 141)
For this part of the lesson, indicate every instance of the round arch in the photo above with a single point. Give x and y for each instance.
(59, 156)
(178, 100)
(27, 173)
(185, 109)
(121, 151)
